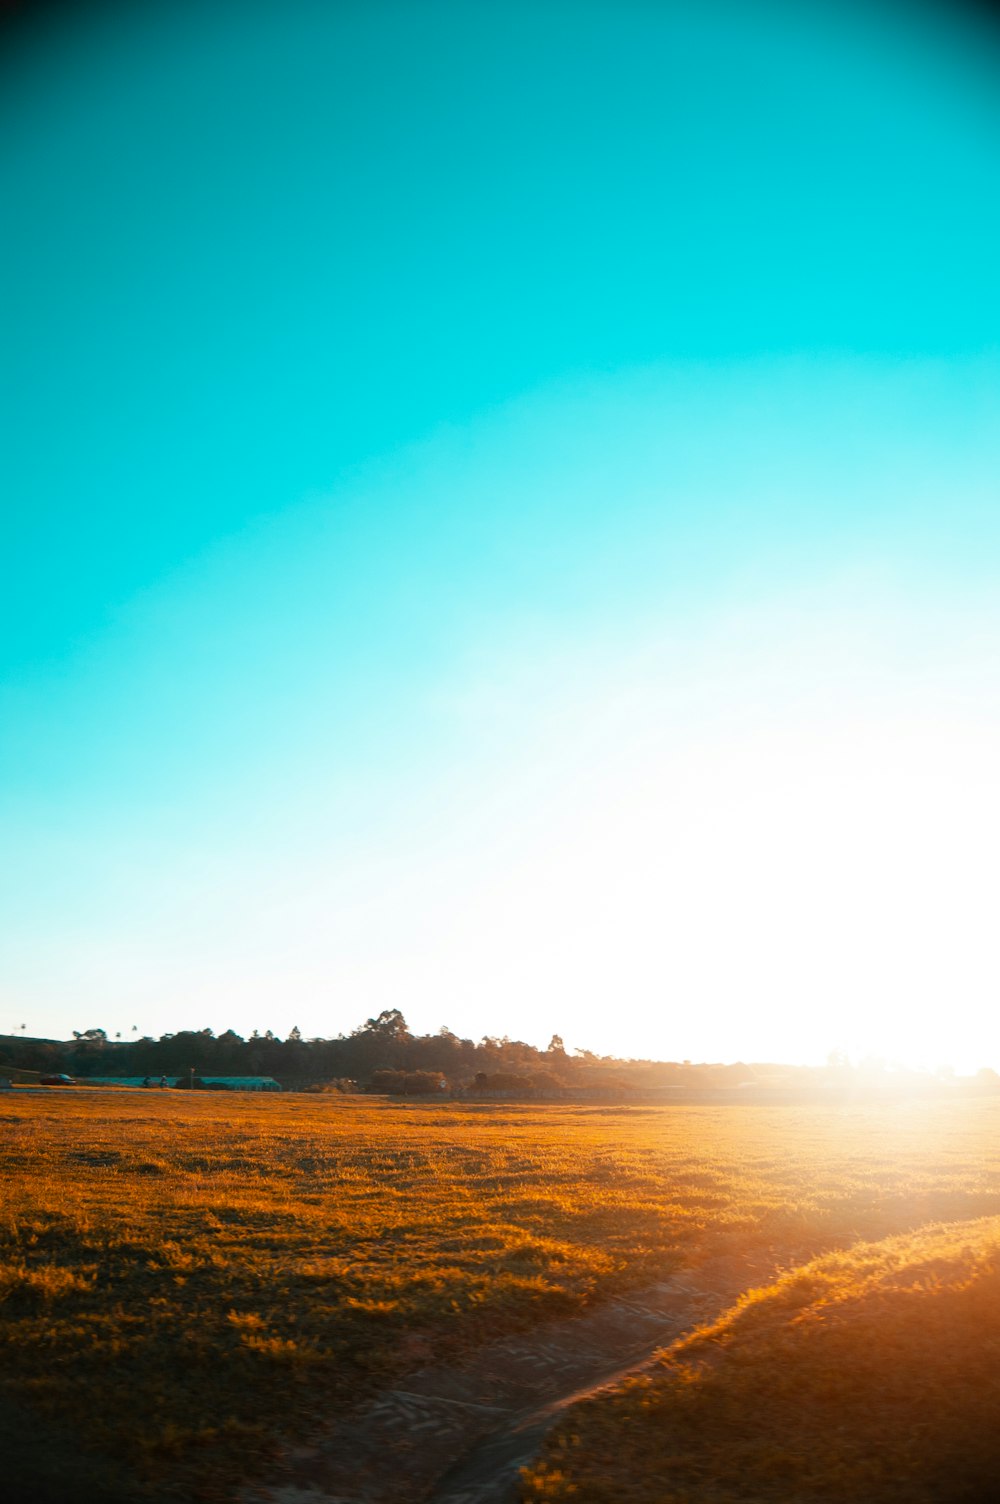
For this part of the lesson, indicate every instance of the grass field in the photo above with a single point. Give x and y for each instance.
(870, 1375)
(184, 1278)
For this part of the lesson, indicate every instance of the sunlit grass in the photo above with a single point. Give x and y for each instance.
(871, 1374)
(185, 1278)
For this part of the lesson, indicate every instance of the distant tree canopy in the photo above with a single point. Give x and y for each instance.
(380, 1054)
(390, 1024)
(383, 1055)
(409, 1083)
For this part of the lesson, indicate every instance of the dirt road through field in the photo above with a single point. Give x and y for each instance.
(459, 1435)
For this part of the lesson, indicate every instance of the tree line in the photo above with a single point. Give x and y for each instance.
(383, 1055)
(382, 1052)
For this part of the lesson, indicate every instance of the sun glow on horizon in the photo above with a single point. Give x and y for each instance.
(782, 871)
(765, 841)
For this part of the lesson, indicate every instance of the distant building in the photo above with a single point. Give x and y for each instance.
(225, 1083)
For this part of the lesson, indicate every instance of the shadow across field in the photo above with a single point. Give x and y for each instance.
(42, 1464)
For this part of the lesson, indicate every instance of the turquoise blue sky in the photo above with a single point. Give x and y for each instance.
(501, 520)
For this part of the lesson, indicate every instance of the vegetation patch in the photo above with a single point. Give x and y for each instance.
(185, 1279)
(870, 1374)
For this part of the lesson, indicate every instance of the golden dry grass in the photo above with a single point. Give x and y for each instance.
(872, 1374)
(185, 1278)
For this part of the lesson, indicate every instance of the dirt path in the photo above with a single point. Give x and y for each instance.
(459, 1435)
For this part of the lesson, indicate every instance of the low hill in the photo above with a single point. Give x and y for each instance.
(870, 1374)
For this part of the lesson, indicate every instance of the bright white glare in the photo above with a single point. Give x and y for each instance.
(768, 844)
(768, 838)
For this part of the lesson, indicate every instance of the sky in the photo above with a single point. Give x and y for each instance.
(501, 520)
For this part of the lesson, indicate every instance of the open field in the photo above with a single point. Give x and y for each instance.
(186, 1279)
